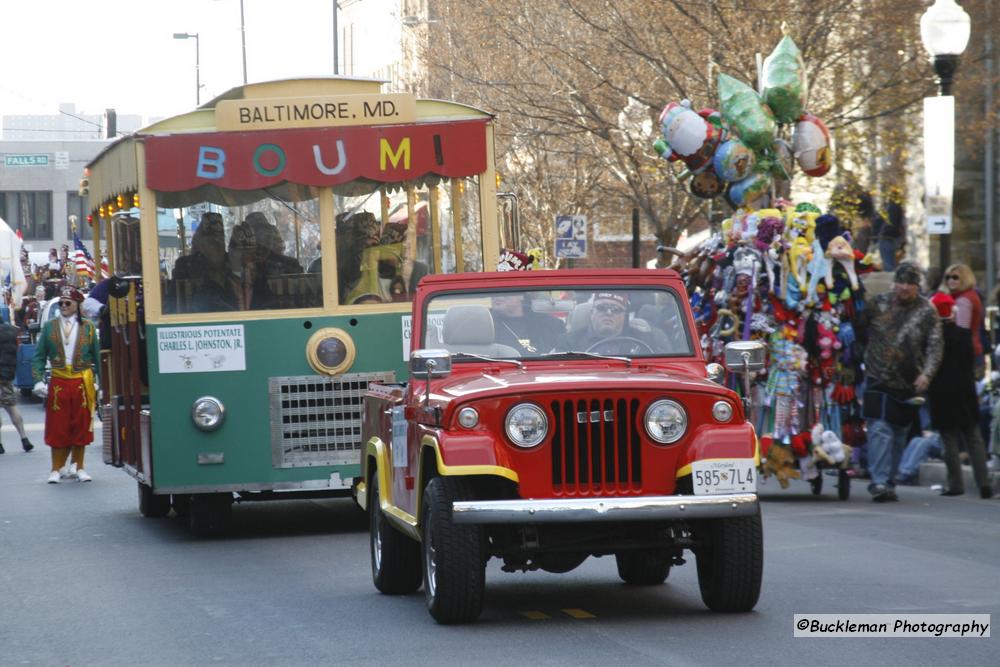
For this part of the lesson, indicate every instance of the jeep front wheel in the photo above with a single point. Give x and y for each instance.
(730, 562)
(395, 557)
(642, 568)
(453, 555)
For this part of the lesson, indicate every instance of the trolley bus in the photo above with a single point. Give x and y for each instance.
(265, 248)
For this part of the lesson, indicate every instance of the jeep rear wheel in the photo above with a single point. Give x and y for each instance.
(453, 555)
(395, 557)
(730, 562)
(642, 568)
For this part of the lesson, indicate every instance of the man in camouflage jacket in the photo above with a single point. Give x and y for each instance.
(903, 349)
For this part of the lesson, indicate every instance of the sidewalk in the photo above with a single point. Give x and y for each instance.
(935, 472)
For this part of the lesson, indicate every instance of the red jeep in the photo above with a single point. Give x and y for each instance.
(555, 415)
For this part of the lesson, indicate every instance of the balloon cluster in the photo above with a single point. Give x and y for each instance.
(738, 150)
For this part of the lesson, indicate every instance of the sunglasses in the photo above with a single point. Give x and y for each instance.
(66, 302)
(607, 309)
(952, 276)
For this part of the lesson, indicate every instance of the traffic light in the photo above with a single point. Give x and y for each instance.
(84, 189)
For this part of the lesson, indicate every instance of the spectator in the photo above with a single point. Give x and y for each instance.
(69, 344)
(960, 283)
(903, 347)
(8, 369)
(920, 448)
(954, 404)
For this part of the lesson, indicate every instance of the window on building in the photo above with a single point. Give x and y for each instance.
(31, 212)
(78, 206)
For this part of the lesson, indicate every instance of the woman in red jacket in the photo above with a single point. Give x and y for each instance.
(960, 284)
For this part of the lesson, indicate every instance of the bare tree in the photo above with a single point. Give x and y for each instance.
(578, 86)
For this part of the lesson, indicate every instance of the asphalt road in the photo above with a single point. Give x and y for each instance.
(84, 580)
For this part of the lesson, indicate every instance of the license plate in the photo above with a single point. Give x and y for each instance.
(723, 476)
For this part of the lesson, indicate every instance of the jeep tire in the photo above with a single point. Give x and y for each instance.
(395, 557)
(730, 562)
(642, 567)
(453, 555)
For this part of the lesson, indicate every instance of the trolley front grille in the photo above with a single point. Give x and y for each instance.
(316, 420)
(596, 446)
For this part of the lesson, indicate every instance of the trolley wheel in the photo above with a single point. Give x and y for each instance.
(843, 484)
(210, 513)
(817, 483)
(152, 506)
(181, 504)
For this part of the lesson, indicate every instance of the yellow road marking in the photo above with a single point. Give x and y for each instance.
(534, 615)
(578, 613)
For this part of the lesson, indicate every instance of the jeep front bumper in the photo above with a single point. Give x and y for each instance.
(648, 508)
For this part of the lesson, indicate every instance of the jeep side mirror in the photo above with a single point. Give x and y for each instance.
(744, 356)
(426, 364)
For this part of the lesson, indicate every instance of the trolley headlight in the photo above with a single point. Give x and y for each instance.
(722, 411)
(330, 351)
(526, 425)
(468, 417)
(208, 413)
(666, 421)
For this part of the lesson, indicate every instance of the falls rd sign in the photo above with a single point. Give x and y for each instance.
(26, 160)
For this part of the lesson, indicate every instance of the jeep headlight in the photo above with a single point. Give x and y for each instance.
(207, 413)
(527, 425)
(666, 421)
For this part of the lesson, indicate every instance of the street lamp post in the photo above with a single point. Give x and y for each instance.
(944, 31)
(197, 62)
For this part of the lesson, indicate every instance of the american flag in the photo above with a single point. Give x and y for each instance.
(84, 262)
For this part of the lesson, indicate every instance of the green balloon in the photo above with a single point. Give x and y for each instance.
(743, 110)
(785, 81)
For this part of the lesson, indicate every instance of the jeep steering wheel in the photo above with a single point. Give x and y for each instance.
(600, 347)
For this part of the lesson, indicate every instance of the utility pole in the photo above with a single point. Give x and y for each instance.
(336, 65)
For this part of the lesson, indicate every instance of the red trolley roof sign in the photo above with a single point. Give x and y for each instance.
(315, 157)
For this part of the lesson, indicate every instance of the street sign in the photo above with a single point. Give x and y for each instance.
(62, 159)
(571, 236)
(938, 214)
(26, 160)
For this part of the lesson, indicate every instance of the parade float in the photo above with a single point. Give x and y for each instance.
(777, 271)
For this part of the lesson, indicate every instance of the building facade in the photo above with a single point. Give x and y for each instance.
(39, 184)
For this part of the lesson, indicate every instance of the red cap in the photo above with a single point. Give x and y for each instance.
(69, 292)
(944, 304)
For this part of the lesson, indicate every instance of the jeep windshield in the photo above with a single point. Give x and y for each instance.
(612, 322)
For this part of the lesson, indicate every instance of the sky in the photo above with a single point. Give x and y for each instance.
(121, 54)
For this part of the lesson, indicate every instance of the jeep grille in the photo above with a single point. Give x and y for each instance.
(316, 420)
(596, 446)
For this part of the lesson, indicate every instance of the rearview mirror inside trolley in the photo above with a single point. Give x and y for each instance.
(744, 356)
(426, 364)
